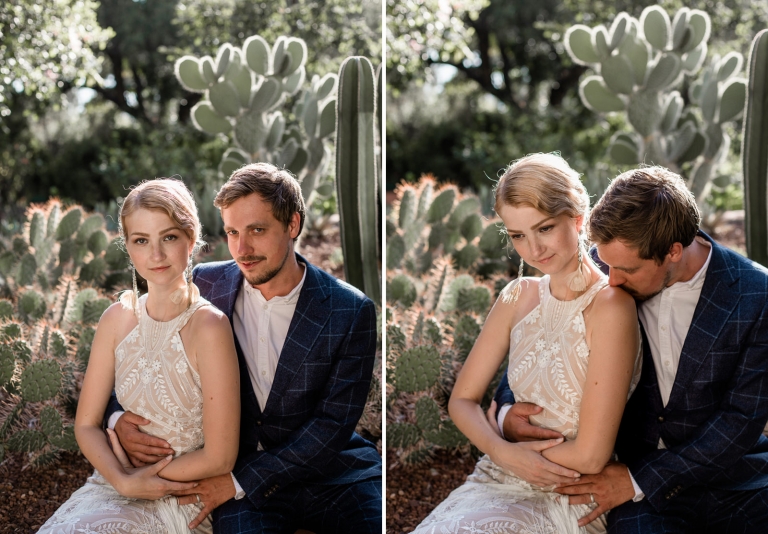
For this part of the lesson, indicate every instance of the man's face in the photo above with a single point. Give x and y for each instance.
(640, 278)
(258, 242)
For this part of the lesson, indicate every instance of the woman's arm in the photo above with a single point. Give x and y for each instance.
(213, 349)
(97, 387)
(483, 362)
(613, 349)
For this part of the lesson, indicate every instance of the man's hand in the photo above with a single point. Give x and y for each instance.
(610, 488)
(141, 448)
(517, 426)
(213, 492)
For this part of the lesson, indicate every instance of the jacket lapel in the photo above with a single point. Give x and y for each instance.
(716, 304)
(313, 310)
(227, 289)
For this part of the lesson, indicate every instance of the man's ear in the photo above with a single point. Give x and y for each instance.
(294, 224)
(676, 252)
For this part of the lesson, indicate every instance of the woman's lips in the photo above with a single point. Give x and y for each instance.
(160, 269)
(545, 260)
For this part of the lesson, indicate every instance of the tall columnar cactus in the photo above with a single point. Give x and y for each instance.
(754, 152)
(244, 89)
(639, 63)
(357, 176)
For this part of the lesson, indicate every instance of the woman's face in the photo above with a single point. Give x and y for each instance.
(158, 248)
(547, 243)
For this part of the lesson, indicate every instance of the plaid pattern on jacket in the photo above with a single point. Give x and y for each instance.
(319, 392)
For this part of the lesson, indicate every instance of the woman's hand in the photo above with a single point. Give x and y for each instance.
(525, 460)
(143, 482)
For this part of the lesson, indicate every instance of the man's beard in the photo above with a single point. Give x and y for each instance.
(640, 297)
(263, 278)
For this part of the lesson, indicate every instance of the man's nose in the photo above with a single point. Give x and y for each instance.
(614, 278)
(243, 248)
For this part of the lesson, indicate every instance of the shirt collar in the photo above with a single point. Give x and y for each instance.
(286, 300)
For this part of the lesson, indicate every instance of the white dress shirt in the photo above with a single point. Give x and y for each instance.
(261, 327)
(666, 319)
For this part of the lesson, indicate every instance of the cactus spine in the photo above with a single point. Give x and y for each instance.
(357, 175)
(754, 152)
(638, 65)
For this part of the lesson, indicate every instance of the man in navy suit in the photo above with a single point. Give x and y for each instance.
(691, 445)
(306, 342)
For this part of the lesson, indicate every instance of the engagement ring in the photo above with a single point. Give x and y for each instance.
(591, 498)
(198, 497)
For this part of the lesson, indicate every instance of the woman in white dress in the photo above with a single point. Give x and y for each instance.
(170, 357)
(574, 349)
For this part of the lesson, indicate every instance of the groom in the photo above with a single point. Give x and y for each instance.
(691, 445)
(306, 341)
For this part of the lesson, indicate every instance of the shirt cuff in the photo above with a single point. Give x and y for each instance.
(500, 418)
(639, 495)
(112, 421)
(239, 493)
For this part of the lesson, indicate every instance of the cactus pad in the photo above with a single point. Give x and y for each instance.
(116, 256)
(402, 289)
(27, 270)
(402, 435)
(94, 309)
(27, 441)
(6, 309)
(36, 228)
(66, 440)
(466, 257)
(69, 224)
(32, 305)
(395, 251)
(441, 206)
(472, 226)
(40, 381)
(448, 436)
(406, 212)
(7, 364)
(417, 369)
(427, 414)
(98, 242)
(57, 345)
(476, 299)
(50, 421)
(94, 270)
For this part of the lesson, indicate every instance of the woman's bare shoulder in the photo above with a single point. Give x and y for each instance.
(610, 301)
(208, 321)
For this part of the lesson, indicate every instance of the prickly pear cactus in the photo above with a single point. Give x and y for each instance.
(638, 65)
(244, 89)
(435, 239)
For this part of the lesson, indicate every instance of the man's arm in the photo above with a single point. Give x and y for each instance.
(327, 432)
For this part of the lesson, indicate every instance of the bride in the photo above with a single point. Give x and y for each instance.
(170, 357)
(574, 349)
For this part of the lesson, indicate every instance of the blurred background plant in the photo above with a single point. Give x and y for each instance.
(90, 105)
(476, 84)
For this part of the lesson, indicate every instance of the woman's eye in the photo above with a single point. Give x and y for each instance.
(545, 229)
(140, 241)
(170, 237)
(516, 236)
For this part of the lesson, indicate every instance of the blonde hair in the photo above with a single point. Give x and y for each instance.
(545, 182)
(170, 196)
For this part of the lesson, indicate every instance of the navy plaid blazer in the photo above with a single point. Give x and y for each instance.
(712, 425)
(319, 392)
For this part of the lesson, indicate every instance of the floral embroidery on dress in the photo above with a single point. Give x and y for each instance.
(152, 379)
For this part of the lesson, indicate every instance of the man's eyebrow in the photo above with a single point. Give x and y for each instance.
(625, 269)
(251, 226)
(534, 227)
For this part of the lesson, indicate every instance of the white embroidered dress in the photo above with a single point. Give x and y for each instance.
(153, 378)
(548, 360)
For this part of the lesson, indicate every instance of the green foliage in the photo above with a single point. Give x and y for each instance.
(640, 63)
(434, 314)
(755, 151)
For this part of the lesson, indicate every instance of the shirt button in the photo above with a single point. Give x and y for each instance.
(667, 363)
(262, 339)
(661, 419)
(663, 328)
(263, 373)
(266, 306)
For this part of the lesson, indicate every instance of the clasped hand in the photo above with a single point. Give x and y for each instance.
(144, 482)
